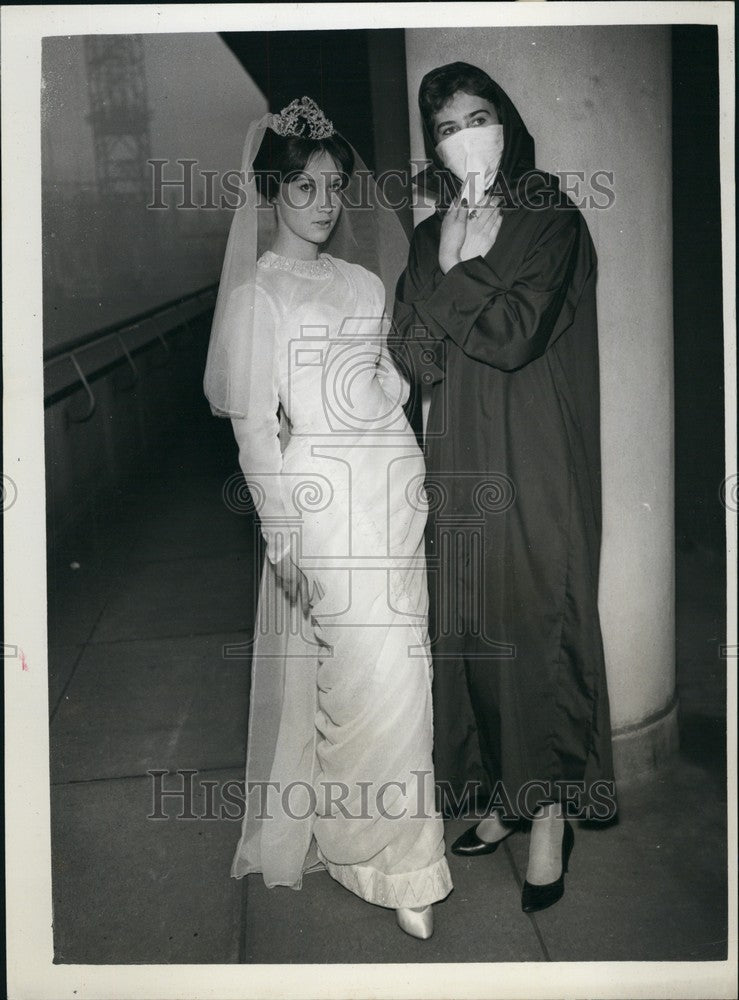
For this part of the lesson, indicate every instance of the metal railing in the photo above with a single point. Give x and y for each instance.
(118, 344)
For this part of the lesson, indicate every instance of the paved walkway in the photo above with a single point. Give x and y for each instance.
(138, 683)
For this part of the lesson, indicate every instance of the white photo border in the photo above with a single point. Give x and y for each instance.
(30, 969)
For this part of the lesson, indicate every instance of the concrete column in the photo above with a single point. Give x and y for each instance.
(599, 99)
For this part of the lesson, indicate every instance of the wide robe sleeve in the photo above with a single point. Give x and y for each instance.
(501, 316)
(257, 435)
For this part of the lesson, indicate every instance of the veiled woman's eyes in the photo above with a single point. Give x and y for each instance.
(475, 123)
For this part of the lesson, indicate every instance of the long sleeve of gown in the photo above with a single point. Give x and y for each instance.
(257, 435)
(418, 356)
(395, 383)
(505, 323)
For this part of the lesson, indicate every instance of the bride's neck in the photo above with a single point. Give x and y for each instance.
(288, 244)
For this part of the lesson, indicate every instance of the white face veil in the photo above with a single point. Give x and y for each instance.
(368, 232)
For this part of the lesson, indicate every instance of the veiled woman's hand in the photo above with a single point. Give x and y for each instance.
(482, 228)
(295, 583)
(453, 232)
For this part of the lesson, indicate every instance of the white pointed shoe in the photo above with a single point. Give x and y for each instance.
(416, 921)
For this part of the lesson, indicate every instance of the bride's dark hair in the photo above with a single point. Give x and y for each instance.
(282, 156)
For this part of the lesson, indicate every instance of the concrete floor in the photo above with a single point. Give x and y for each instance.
(138, 682)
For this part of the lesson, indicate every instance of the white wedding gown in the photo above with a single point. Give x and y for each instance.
(339, 770)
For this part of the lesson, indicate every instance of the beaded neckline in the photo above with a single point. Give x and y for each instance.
(319, 268)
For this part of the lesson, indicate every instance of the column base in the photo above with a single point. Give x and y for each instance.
(644, 748)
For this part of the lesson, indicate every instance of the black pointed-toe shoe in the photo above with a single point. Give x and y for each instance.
(539, 897)
(469, 845)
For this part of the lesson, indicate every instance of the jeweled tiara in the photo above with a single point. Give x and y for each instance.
(299, 115)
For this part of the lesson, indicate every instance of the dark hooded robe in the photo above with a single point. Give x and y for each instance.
(508, 347)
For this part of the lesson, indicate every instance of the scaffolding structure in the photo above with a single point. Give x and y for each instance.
(126, 234)
(119, 112)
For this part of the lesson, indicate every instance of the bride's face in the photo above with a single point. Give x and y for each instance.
(309, 204)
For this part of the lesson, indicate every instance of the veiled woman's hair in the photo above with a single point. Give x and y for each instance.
(281, 157)
(440, 85)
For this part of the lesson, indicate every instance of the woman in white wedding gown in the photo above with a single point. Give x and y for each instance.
(339, 768)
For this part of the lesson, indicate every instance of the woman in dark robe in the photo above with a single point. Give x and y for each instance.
(506, 343)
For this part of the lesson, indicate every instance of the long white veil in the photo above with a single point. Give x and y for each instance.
(281, 748)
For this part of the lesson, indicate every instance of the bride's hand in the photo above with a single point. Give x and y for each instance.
(295, 583)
